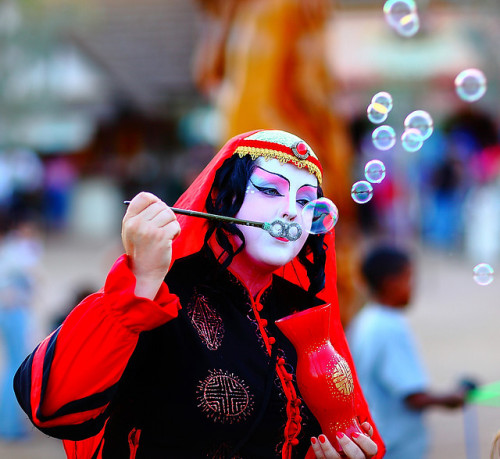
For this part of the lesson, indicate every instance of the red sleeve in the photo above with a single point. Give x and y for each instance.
(66, 384)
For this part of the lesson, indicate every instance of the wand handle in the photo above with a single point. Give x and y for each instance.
(223, 218)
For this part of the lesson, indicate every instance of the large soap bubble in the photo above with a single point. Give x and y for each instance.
(320, 216)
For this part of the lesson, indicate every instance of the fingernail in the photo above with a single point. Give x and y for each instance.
(313, 441)
(355, 435)
(322, 438)
(339, 434)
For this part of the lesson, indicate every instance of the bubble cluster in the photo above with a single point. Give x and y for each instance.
(362, 192)
(483, 274)
(320, 216)
(470, 85)
(402, 16)
(384, 137)
(375, 171)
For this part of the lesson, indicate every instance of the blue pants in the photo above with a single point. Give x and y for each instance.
(13, 330)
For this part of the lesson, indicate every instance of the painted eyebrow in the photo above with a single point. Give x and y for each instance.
(284, 178)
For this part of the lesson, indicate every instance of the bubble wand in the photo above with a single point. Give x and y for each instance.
(277, 228)
(321, 213)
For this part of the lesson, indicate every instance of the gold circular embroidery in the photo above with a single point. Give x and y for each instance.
(224, 397)
(342, 377)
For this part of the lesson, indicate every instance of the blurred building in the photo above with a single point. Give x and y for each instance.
(68, 68)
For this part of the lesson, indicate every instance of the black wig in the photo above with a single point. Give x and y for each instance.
(226, 198)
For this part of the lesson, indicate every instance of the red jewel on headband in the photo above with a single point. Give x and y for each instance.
(300, 150)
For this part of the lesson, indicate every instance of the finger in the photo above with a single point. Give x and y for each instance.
(367, 427)
(351, 449)
(173, 229)
(151, 211)
(163, 218)
(317, 448)
(140, 202)
(369, 447)
(328, 450)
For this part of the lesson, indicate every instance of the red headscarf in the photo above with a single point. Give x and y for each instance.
(191, 241)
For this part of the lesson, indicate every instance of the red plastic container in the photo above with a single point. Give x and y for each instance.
(323, 376)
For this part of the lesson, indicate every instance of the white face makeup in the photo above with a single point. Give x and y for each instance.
(275, 191)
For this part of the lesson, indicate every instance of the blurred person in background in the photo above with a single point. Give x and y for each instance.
(389, 367)
(264, 65)
(60, 180)
(131, 373)
(20, 252)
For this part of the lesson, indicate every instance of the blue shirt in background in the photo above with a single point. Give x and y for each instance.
(389, 369)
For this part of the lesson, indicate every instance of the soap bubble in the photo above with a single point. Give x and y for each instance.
(409, 25)
(375, 171)
(383, 99)
(377, 113)
(402, 16)
(320, 216)
(396, 10)
(362, 192)
(483, 274)
(421, 120)
(384, 137)
(470, 85)
(412, 140)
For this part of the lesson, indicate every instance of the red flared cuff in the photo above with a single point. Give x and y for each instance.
(136, 313)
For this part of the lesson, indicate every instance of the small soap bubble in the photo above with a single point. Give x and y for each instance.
(396, 10)
(384, 99)
(470, 85)
(483, 274)
(377, 113)
(375, 171)
(362, 192)
(421, 120)
(412, 140)
(384, 137)
(402, 16)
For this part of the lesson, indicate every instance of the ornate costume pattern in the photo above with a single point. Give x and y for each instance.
(206, 321)
(224, 397)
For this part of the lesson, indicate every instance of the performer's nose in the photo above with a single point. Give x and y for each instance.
(290, 211)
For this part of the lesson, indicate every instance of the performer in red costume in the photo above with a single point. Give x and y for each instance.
(178, 354)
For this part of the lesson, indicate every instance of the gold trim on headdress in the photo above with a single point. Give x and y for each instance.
(281, 156)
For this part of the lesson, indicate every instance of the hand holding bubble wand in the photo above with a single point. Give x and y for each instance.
(319, 217)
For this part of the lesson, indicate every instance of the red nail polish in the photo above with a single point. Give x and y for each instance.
(322, 438)
(355, 435)
(339, 434)
(313, 441)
